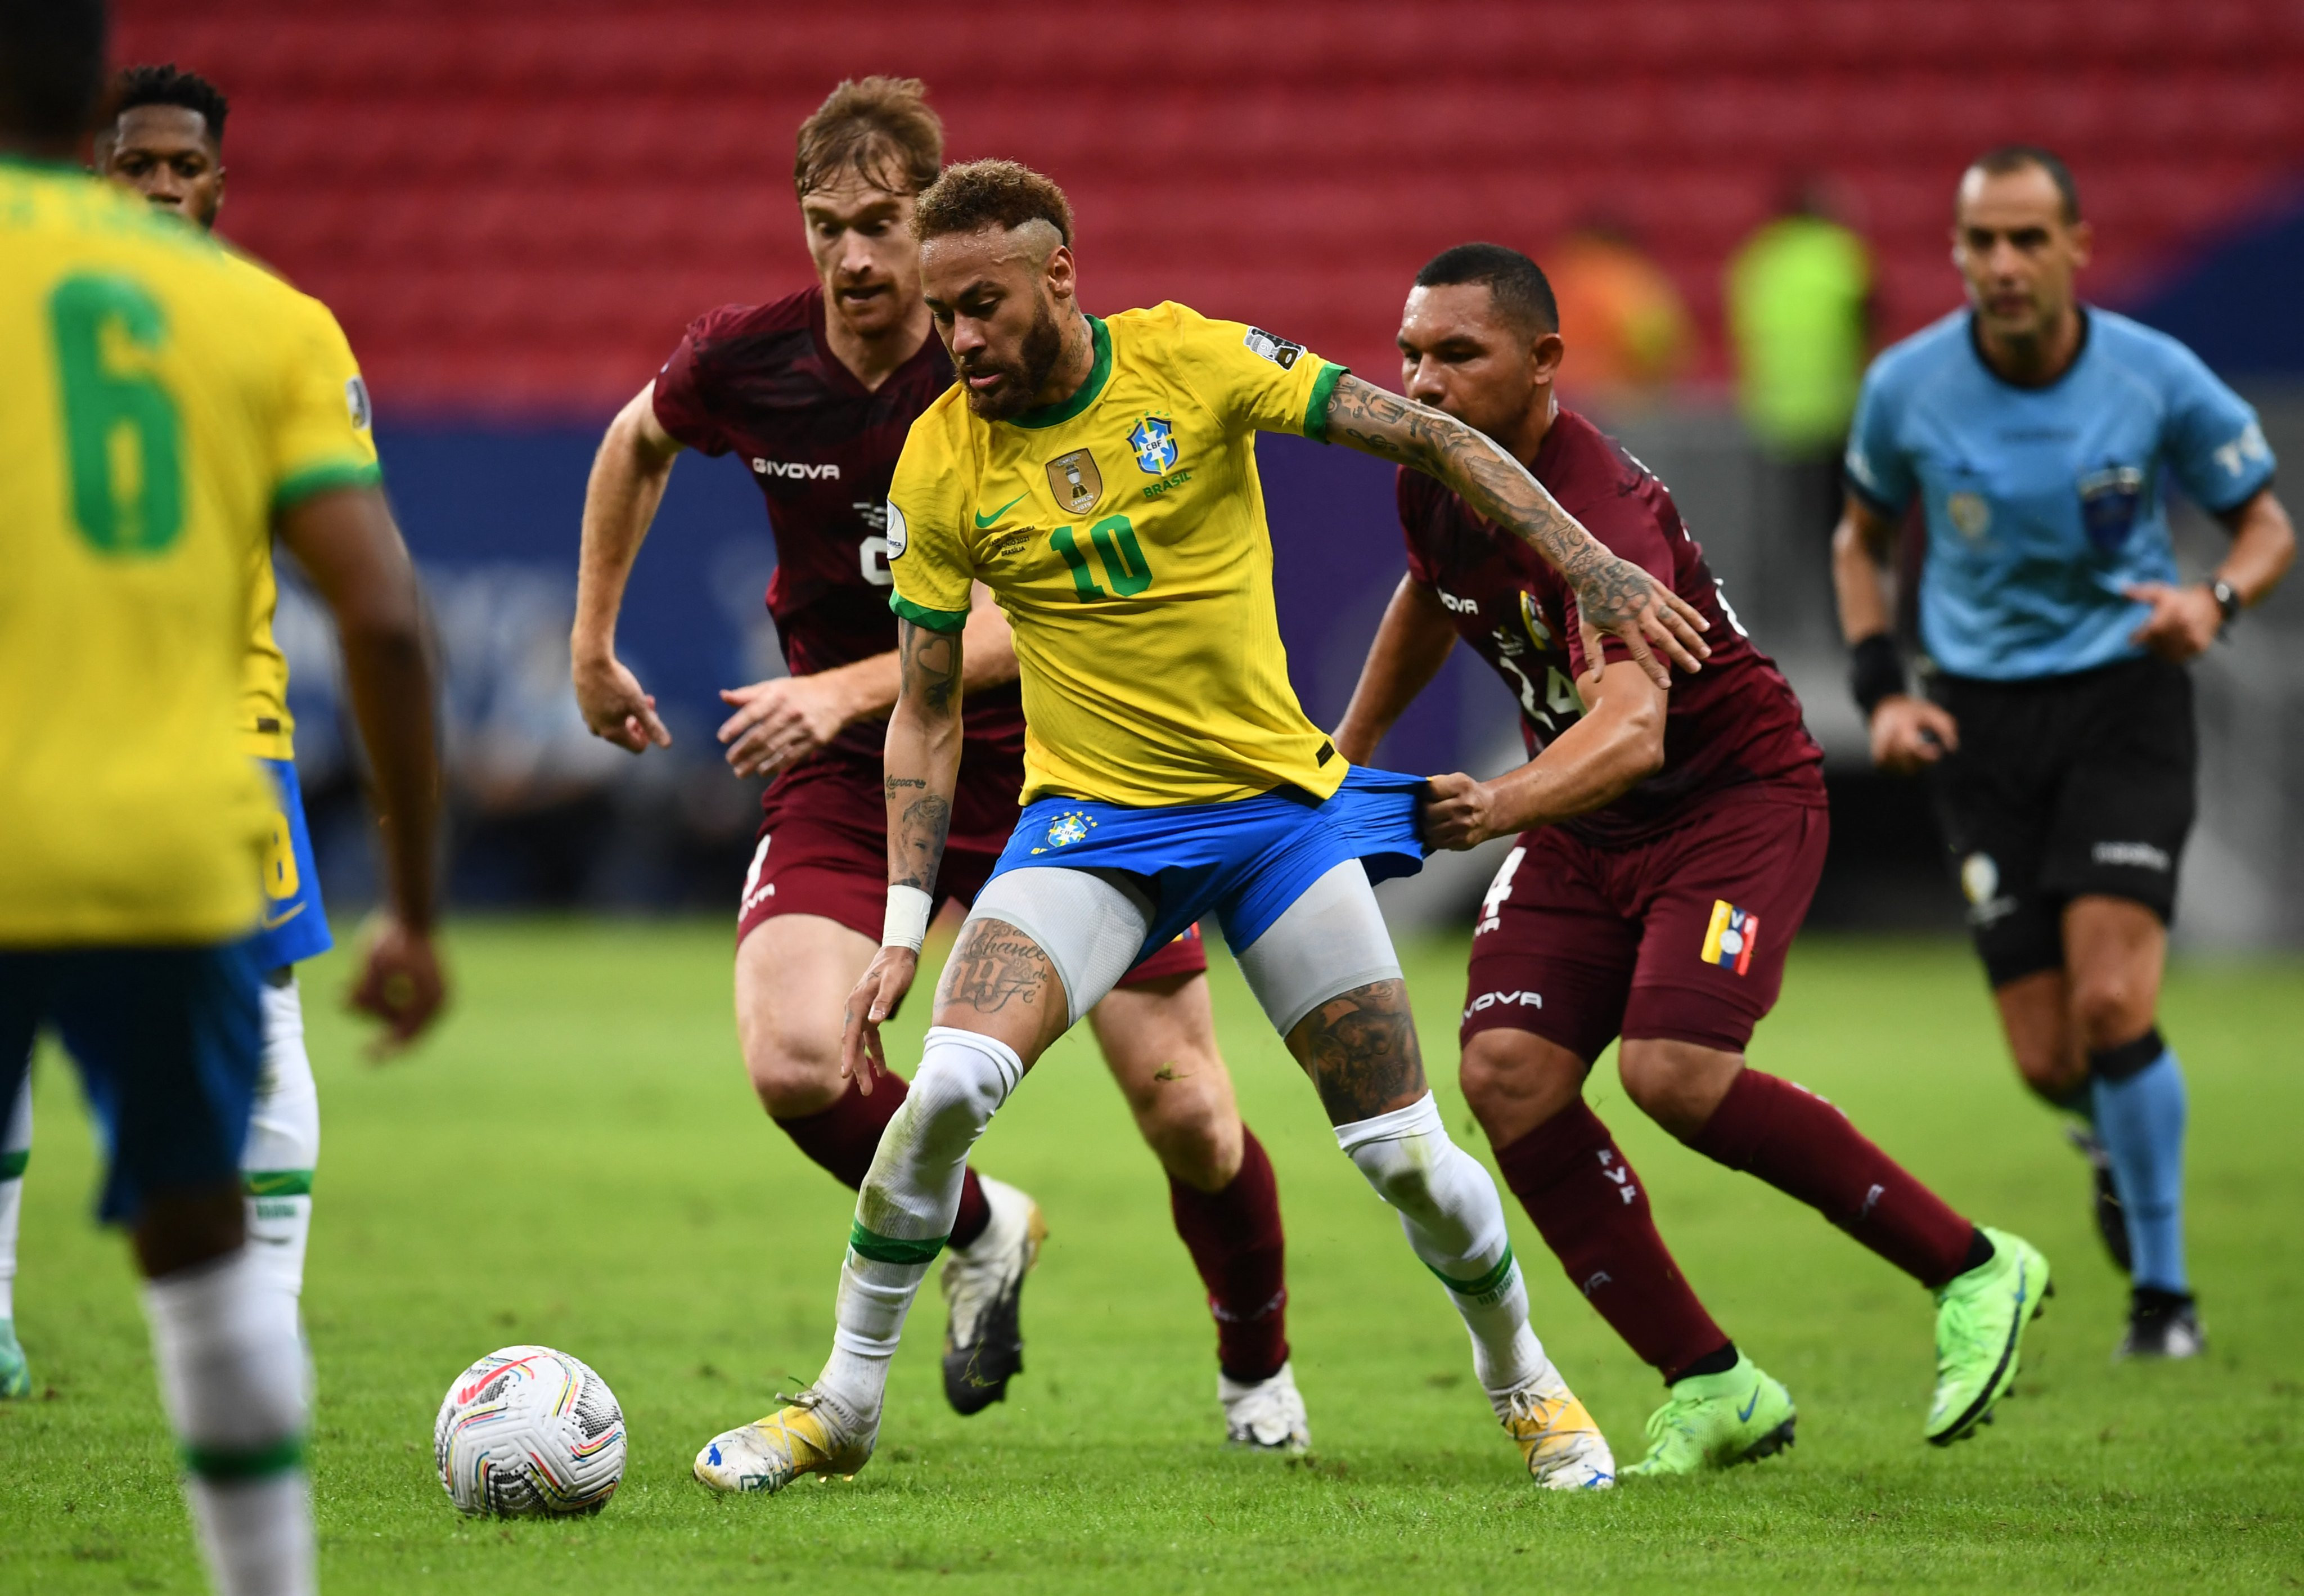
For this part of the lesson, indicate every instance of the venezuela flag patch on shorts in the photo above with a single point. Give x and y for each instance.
(1729, 938)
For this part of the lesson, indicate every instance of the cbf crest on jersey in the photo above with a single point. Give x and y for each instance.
(1075, 481)
(1155, 443)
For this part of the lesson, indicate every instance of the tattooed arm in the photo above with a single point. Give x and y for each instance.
(1615, 595)
(922, 768)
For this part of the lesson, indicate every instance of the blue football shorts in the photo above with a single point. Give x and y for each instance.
(1242, 862)
(169, 1042)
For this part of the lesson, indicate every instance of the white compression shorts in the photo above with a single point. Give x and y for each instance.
(1092, 924)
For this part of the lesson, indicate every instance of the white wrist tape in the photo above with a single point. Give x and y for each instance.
(907, 924)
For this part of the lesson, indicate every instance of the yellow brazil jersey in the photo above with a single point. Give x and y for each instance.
(1124, 533)
(157, 406)
(267, 729)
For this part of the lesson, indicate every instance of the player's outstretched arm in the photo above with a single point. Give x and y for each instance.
(1412, 644)
(347, 544)
(783, 721)
(629, 475)
(1615, 595)
(1615, 745)
(1908, 731)
(921, 770)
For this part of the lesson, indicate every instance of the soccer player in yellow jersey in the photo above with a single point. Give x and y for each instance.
(1100, 477)
(162, 417)
(163, 137)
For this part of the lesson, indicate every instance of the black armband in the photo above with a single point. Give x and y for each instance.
(1879, 672)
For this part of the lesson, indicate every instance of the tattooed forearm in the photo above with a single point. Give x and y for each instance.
(1609, 590)
(928, 665)
(993, 965)
(1360, 1048)
(922, 753)
(916, 845)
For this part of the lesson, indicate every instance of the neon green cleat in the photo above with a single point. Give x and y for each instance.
(1980, 1320)
(1716, 1422)
(15, 1376)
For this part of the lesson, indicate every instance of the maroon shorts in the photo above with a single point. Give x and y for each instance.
(824, 850)
(1681, 936)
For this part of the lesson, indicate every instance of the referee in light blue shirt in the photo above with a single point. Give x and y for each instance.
(2038, 435)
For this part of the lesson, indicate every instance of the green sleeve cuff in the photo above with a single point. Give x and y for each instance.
(1316, 409)
(920, 615)
(297, 487)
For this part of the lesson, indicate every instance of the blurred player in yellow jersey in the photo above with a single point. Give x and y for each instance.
(164, 136)
(164, 412)
(1098, 476)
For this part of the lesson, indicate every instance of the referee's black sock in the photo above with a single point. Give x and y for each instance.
(2079, 1098)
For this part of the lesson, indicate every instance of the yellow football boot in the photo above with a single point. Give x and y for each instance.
(1565, 1448)
(809, 1435)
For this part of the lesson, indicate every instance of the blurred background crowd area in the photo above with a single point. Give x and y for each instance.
(515, 207)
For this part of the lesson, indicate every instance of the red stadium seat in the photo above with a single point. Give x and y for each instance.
(516, 207)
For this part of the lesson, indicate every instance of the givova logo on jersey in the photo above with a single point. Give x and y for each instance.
(799, 471)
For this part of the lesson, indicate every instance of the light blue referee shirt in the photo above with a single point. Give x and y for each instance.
(2043, 504)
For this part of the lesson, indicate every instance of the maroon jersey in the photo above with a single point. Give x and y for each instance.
(760, 380)
(1733, 722)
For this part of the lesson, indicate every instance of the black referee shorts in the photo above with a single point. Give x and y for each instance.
(2064, 787)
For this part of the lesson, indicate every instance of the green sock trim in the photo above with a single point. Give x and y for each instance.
(227, 1462)
(277, 1182)
(1487, 1284)
(890, 1249)
(12, 1164)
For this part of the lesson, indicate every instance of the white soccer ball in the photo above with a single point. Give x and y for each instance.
(528, 1432)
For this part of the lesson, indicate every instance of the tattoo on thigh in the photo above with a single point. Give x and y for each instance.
(1360, 1048)
(994, 963)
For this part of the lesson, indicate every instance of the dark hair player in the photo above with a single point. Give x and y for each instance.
(1668, 845)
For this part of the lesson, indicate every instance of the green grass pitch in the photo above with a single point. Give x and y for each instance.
(576, 1159)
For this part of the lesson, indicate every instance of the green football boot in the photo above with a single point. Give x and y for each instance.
(1980, 1320)
(15, 1377)
(1716, 1422)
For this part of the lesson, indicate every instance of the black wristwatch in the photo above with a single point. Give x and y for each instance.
(2227, 598)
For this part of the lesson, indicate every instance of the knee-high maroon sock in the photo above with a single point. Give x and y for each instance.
(844, 1138)
(1805, 1148)
(1236, 1243)
(1572, 1177)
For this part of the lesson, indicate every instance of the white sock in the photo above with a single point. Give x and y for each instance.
(284, 1144)
(231, 1378)
(256, 1534)
(15, 1152)
(1455, 1222)
(906, 1208)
